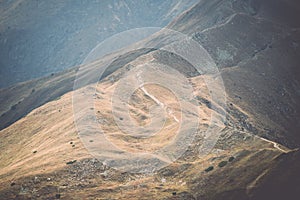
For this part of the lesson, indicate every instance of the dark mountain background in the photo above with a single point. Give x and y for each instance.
(38, 38)
(256, 45)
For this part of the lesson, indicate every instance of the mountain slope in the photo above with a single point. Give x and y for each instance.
(48, 134)
(255, 46)
(40, 38)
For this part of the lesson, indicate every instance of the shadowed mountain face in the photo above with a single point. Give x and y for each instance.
(255, 44)
(38, 38)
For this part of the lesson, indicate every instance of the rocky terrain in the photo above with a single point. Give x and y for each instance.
(254, 44)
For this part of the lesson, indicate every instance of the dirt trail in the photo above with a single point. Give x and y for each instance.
(167, 109)
(276, 145)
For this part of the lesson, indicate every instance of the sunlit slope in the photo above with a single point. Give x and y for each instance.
(42, 152)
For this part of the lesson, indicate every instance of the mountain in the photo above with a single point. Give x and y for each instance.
(255, 47)
(255, 44)
(40, 38)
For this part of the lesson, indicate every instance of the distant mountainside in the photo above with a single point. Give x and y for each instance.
(255, 44)
(38, 38)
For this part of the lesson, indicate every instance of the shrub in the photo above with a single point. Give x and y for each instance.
(71, 162)
(231, 159)
(210, 168)
(222, 164)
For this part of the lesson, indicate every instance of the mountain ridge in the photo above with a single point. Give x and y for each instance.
(254, 156)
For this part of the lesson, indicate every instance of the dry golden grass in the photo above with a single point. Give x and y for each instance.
(49, 130)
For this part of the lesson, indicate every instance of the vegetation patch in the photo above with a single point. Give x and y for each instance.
(71, 162)
(222, 164)
(231, 159)
(210, 168)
